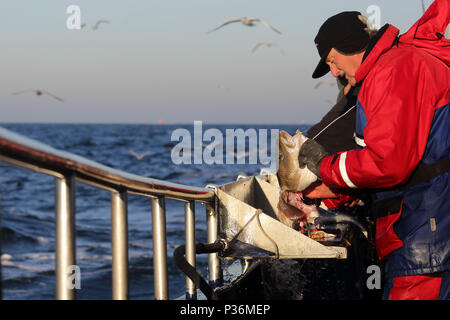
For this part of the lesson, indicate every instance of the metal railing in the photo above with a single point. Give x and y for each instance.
(68, 169)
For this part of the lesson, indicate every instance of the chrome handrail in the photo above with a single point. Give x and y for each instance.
(35, 155)
(68, 168)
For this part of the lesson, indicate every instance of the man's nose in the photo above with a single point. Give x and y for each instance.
(334, 71)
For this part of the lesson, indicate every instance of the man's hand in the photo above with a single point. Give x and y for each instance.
(322, 191)
(311, 155)
(319, 190)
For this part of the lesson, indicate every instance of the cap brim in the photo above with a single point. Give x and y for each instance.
(321, 69)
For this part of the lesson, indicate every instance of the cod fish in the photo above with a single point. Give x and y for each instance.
(293, 212)
(291, 177)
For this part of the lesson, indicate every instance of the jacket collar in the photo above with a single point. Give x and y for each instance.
(381, 46)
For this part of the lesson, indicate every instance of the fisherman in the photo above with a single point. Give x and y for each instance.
(335, 133)
(402, 129)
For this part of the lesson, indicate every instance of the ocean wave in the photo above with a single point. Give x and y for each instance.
(28, 214)
(10, 235)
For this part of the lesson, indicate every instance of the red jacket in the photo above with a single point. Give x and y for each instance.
(403, 129)
(402, 88)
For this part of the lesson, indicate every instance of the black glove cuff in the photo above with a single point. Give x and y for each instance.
(311, 155)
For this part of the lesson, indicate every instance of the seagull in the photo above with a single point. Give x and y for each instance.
(246, 21)
(329, 82)
(95, 26)
(138, 156)
(39, 93)
(222, 86)
(268, 45)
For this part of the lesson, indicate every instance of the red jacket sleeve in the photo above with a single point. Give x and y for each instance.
(399, 108)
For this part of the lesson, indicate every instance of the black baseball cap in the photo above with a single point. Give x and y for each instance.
(345, 32)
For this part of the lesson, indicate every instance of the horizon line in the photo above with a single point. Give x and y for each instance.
(153, 123)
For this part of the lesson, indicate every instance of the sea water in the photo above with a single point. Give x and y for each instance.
(28, 214)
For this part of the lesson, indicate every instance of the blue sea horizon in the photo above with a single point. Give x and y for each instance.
(27, 208)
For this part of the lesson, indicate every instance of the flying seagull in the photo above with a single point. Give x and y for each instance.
(95, 26)
(138, 156)
(267, 44)
(39, 93)
(222, 86)
(246, 21)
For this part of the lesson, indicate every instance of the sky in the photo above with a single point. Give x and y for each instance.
(154, 60)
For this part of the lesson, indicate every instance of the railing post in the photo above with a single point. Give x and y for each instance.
(119, 233)
(1, 250)
(189, 218)
(65, 236)
(160, 248)
(215, 271)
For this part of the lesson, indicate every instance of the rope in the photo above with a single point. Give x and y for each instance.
(333, 122)
(277, 252)
(256, 215)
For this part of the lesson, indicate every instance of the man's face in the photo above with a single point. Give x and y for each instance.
(344, 65)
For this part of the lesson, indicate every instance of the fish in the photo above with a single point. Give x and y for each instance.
(290, 176)
(295, 213)
(289, 215)
(292, 209)
(296, 200)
